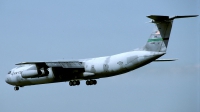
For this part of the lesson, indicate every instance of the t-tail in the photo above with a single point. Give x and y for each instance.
(159, 39)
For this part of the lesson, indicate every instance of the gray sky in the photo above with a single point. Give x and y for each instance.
(52, 30)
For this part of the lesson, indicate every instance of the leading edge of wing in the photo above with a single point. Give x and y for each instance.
(63, 64)
(40, 62)
(22, 63)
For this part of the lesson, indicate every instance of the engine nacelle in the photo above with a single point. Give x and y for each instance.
(34, 73)
(30, 73)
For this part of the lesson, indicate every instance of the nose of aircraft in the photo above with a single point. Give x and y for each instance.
(7, 80)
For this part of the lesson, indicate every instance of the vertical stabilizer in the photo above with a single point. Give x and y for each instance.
(158, 40)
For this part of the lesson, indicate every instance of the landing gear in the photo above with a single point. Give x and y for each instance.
(74, 83)
(91, 82)
(77, 82)
(16, 88)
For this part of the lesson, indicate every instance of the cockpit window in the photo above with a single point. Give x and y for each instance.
(9, 72)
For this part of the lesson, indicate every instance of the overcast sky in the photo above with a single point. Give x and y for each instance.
(72, 29)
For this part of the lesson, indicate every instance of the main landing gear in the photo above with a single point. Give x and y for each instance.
(74, 83)
(16, 88)
(77, 82)
(91, 82)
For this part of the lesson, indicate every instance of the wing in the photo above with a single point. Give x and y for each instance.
(62, 70)
(160, 60)
(63, 64)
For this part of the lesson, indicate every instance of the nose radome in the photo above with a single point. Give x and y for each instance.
(7, 80)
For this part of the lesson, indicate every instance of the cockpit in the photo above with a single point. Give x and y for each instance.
(9, 72)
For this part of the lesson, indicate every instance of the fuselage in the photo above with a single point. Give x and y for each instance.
(94, 68)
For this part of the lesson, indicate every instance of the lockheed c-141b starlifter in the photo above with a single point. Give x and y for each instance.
(33, 73)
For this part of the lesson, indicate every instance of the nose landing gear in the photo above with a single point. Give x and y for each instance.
(16, 88)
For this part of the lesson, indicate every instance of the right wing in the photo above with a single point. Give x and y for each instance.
(160, 60)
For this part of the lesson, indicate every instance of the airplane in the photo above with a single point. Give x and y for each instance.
(34, 73)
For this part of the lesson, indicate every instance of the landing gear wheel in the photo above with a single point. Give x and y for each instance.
(91, 82)
(87, 82)
(74, 83)
(94, 82)
(77, 82)
(70, 83)
(16, 88)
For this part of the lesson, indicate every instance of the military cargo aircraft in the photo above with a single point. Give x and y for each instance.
(33, 73)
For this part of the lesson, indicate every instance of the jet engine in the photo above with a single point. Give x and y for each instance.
(34, 73)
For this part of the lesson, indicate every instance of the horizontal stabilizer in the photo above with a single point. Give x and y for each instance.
(160, 18)
(160, 60)
(176, 17)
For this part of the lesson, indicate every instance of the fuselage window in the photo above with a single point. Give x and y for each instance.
(9, 72)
